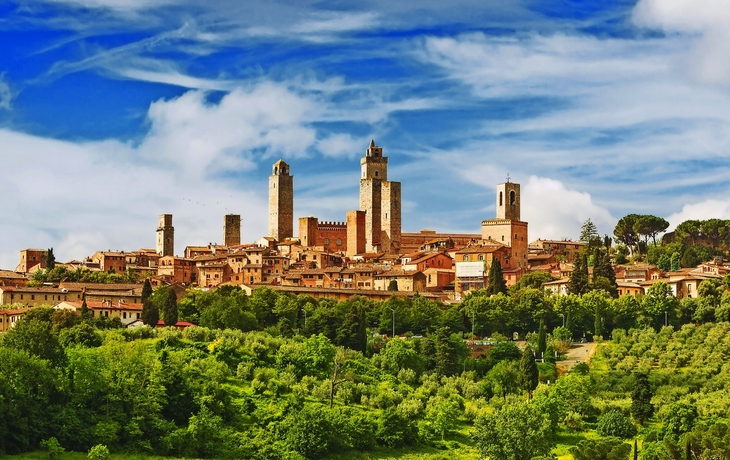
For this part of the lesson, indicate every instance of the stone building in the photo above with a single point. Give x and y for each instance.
(165, 236)
(29, 258)
(231, 230)
(381, 201)
(507, 228)
(281, 202)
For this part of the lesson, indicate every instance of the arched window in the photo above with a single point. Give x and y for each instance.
(500, 198)
(512, 200)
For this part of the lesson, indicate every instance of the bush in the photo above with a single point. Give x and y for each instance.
(99, 452)
(616, 423)
(53, 447)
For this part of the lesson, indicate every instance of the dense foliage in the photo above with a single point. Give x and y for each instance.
(285, 384)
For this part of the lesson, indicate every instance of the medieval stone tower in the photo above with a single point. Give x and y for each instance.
(281, 202)
(381, 201)
(165, 236)
(232, 229)
(507, 228)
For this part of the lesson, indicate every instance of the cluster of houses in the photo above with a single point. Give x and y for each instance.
(367, 254)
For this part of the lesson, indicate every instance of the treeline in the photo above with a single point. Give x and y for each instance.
(205, 393)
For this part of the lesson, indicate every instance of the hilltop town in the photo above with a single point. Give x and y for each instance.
(365, 254)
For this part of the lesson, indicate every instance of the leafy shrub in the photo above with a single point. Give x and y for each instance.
(616, 423)
(99, 452)
(53, 447)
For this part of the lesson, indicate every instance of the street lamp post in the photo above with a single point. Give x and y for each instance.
(665, 319)
(563, 316)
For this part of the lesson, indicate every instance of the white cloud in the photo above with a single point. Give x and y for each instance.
(709, 58)
(555, 212)
(708, 209)
(6, 96)
(341, 145)
(91, 196)
(199, 138)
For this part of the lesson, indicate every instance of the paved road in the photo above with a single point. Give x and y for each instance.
(579, 352)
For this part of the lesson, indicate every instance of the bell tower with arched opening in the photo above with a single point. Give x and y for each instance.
(507, 228)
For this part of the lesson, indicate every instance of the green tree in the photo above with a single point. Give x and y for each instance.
(150, 313)
(443, 413)
(515, 432)
(528, 373)
(600, 449)
(649, 226)
(589, 234)
(53, 447)
(84, 310)
(393, 285)
(50, 260)
(675, 262)
(641, 407)
(35, 336)
(99, 452)
(579, 282)
(169, 313)
(146, 290)
(541, 339)
(497, 283)
(615, 423)
(659, 299)
(624, 232)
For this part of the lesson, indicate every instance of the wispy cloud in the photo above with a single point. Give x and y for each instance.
(6, 96)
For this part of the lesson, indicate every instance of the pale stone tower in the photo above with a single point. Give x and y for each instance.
(232, 229)
(507, 228)
(165, 236)
(381, 201)
(281, 202)
(508, 201)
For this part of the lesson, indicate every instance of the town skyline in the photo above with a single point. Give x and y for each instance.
(114, 112)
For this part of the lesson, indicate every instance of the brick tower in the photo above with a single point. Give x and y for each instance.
(381, 201)
(165, 236)
(281, 202)
(232, 229)
(507, 228)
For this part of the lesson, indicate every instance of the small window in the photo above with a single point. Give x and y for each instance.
(376, 174)
(339, 242)
(500, 198)
(326, 241)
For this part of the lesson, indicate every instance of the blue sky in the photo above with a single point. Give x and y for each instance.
(115, 111)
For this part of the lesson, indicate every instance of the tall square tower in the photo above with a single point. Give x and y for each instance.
(165, 236)
(381, 201)
(281, 202)
(232, 229)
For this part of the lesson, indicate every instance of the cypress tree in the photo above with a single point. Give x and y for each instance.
(170, 308)
(150, 313)
(84, 310)
(541, 340)
(641, 407)
(597, 322)
(497, 283)
(50, 260)
(529, 375)
(578, 283)
(146, 290)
